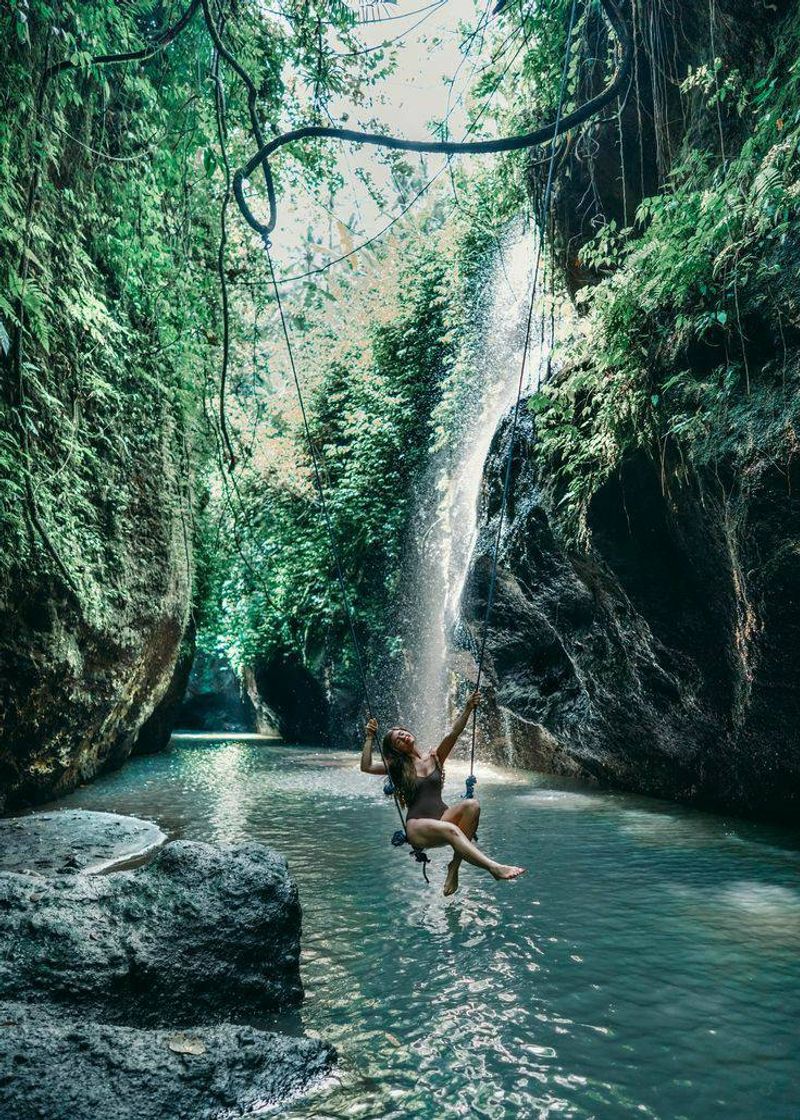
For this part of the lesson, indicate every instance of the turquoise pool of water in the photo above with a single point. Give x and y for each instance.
(647, 966)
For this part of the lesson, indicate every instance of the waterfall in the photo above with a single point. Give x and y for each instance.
(448, 525)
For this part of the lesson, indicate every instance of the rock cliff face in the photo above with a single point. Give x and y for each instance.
(100, 436)
(659, 653)
(155, 732)
(213, 698)
(79, 679)
(294, 699)
(662, 657)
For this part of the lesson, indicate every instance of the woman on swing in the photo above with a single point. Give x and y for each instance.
(418, 778)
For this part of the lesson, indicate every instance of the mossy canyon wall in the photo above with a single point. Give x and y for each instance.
(648, 613)
(108, 298)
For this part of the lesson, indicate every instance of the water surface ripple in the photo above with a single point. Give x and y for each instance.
(648, 965)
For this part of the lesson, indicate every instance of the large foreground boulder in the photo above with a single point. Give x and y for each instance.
(90, 1071)
(198, 934)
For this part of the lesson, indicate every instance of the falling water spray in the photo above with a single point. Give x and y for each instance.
(446, 522)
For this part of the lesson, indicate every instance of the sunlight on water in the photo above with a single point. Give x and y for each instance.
(564, 799)
(648, 965)
(763, 901)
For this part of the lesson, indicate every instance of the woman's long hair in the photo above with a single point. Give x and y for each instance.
(401, 770)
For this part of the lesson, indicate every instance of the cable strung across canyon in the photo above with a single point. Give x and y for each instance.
(288, 279)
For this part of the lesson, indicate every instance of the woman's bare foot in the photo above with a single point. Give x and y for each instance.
(506, 871)
(451, 882)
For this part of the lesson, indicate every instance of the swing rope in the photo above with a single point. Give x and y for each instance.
(546, 133)
(472, 780)
(400, 837)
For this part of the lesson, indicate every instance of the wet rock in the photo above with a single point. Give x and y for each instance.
(47, 843)
(199, 933)
(293, 698)
(660, 657)
(155, 732)
(265, 720)
(89, 1071)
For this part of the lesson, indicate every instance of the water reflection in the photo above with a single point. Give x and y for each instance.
(647, 965)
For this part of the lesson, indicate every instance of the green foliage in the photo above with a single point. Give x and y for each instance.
(675, 352)
(387, 353)
(384, 358)
(110, 186)
(517, 89)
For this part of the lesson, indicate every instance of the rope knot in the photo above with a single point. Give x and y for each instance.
(472, 781)
(266, 239)
(423, 858)
(388, 787)
(399, 838)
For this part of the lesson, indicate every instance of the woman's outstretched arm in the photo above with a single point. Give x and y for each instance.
(450, 739)
(367, 765)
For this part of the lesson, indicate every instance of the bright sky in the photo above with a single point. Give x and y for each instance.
(428, 56)
(428, 40)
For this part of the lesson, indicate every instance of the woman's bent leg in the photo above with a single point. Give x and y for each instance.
(428, 833)
(466, 815)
